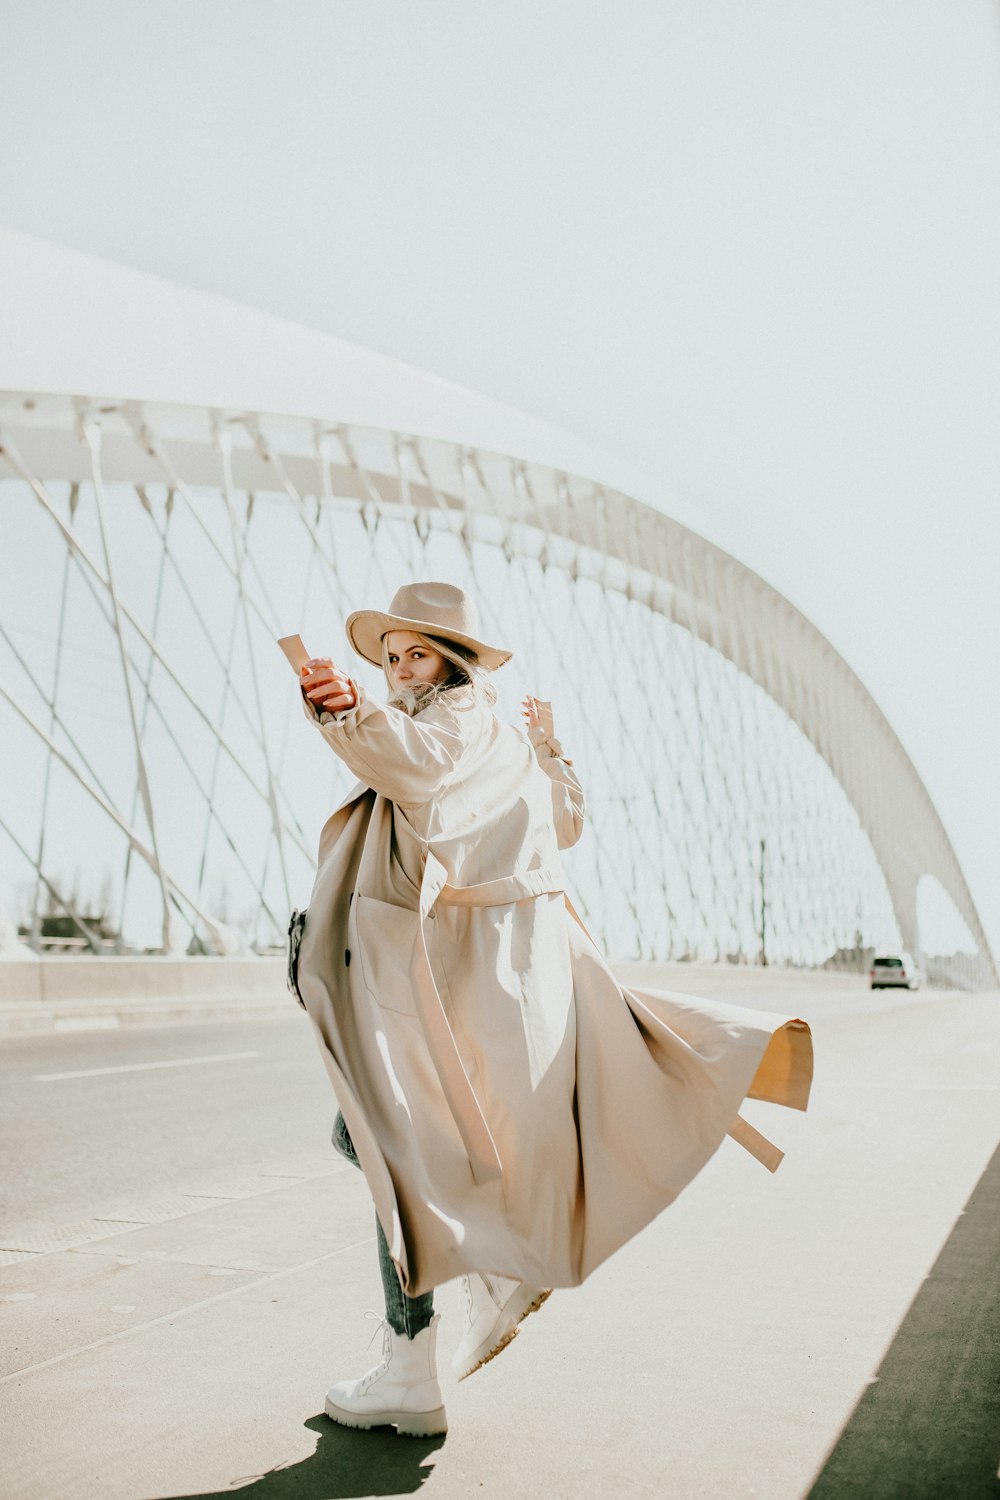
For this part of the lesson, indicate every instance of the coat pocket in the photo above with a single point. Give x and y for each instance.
(385, 938)
(296, 925)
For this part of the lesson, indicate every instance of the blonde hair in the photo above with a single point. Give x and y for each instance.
(466, 672)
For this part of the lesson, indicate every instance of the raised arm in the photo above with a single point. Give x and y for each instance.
(567, 793)
(407, 760)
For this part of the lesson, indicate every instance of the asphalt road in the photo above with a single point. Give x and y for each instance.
(156, 1112)
(831, 1330)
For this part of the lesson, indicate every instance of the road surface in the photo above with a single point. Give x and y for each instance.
(185, 1265)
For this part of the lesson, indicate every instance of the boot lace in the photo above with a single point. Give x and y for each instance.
(381, 1325)
(467, 1301)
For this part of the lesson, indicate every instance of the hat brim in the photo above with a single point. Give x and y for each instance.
(366, 627)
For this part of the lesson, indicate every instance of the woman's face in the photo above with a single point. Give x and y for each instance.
(411, 662)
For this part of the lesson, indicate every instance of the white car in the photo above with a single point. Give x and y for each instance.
(895, 972)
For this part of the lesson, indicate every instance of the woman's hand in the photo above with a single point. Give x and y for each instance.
(538, 715)
(326, 686)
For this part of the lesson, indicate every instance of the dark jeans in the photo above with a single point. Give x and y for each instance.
(406, 1316)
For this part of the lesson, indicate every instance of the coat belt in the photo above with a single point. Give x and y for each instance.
(484, 1159)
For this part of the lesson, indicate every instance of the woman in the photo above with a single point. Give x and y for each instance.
(518, 1116)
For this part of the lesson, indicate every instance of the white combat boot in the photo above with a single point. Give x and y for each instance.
(402, 1391)
(493, 1307)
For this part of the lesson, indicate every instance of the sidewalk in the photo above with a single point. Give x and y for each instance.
(720, 1354)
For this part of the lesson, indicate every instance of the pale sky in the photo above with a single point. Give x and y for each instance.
(749, 246)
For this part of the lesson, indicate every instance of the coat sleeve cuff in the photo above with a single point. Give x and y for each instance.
(349, 716)
(546, 746)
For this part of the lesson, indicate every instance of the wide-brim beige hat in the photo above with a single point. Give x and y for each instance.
(429, 609)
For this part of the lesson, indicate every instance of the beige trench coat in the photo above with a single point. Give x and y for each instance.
(514, 1109)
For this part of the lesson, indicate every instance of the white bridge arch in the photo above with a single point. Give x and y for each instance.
(749, 797)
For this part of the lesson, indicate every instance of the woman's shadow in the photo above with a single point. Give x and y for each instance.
(347, 1463)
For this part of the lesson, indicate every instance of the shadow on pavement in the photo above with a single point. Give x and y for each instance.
(347, 1463)
(928, 1427)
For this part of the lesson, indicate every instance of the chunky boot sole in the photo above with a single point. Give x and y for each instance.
(504, 1332)
(406, 1423)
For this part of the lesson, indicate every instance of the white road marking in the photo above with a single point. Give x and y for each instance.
(86, 1023)
(174, 1062)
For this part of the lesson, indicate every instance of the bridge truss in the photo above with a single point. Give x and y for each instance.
(747, 799)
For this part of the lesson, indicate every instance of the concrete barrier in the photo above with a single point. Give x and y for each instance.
(69, 993)
(100, 980)
(80, 994)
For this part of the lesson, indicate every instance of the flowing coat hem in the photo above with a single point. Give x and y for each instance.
(477, 1014)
